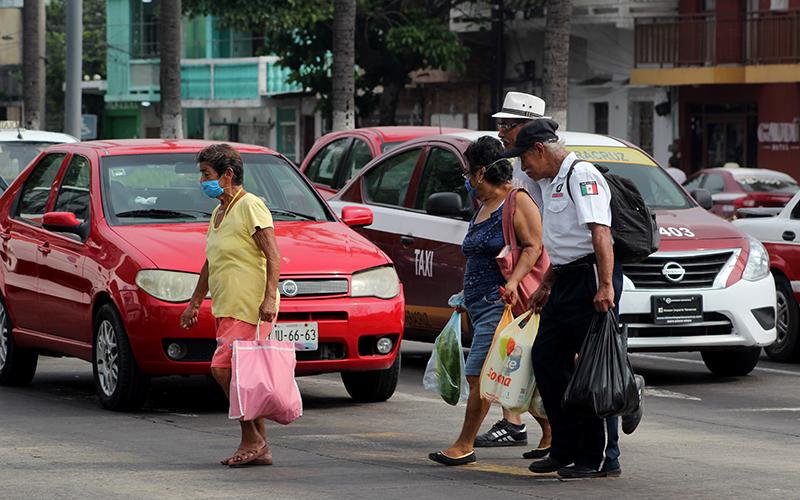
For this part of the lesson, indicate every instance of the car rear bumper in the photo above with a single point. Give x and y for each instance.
(348, 330)
(734, 317)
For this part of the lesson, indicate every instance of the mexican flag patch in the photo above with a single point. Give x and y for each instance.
(589, 188)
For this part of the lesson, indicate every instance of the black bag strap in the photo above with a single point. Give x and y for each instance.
(600, 169)
(569, 176)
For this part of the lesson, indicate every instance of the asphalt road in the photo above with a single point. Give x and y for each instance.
(702, 437)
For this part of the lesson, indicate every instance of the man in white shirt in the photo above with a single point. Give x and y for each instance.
(583, 279)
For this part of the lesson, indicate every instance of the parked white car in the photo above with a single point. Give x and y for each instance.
(19, 146)
(779, 230)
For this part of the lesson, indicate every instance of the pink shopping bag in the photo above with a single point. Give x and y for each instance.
(262, 381)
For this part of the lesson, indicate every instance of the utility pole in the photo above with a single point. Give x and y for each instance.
(33, 54)
(72, 95)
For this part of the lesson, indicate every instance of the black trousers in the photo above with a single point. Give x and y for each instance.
(564, 324)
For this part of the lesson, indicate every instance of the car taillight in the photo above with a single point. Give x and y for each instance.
(744, 202)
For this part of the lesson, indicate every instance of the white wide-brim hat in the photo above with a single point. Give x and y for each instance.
(519, 105)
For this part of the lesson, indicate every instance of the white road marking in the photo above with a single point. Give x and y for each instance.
(664, 393)
(698, 362)
(765, 409)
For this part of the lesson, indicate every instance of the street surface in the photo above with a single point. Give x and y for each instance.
(702, 437)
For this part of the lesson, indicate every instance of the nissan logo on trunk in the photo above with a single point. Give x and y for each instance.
(673, 271)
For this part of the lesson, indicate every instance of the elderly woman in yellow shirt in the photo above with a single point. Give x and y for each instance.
(241, 271)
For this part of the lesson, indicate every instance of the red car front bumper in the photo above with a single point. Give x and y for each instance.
(348, 330)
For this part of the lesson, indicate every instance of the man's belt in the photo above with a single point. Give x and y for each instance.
(581, 264)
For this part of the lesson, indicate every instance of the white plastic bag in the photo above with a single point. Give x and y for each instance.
(445, 373)
(507, 375)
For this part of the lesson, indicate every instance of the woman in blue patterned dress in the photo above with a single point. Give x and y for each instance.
(488, 179)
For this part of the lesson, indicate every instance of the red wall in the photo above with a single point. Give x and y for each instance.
(779, 103)
(776, 103)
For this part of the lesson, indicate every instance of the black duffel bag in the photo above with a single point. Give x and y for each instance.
(603, 384)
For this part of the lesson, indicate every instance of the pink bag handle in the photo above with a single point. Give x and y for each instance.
(258, 328)
(509, 210)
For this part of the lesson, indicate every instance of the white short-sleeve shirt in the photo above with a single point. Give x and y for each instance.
(566, 235)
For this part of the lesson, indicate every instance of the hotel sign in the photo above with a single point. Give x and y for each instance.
(780, 136)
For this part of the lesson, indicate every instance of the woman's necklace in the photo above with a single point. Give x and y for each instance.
(223, 209)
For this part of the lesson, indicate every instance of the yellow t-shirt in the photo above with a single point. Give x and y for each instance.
(237, 268)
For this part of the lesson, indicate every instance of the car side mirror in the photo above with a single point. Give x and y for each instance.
(444, 205)
(357, 216)
(63, 222)
(703, 198)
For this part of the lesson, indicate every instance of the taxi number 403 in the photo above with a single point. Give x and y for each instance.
(677, 232)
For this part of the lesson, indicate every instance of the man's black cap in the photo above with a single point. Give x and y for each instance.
(540, 130)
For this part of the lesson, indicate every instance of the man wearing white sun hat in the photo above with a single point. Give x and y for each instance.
(518, 109)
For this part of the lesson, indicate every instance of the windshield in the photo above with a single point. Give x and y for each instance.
(165, 188)
(15, 156)
(658, 189)
(768, 184)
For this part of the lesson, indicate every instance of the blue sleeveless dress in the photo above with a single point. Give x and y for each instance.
(482, 282)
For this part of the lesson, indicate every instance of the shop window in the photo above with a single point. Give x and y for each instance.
(144, 29)
(600, 117)
(287, 132)
(642, 122)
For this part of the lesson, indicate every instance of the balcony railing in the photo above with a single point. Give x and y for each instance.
(774, 38)
(764, 37)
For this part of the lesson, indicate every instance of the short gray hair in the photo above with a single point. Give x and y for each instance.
(555, 147)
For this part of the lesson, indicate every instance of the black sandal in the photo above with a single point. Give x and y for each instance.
(536, 453)
(445, 460)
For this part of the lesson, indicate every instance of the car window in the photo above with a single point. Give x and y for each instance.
(15, 156)
(360, 155)
(796, 211)
(659, 190)
(388, 182)
(36, 191)
(714, 183)
(442, 174)
(165, 188)
(73, 195)
(694, 183)
(322, 168)
(768, 184)
(388, 146)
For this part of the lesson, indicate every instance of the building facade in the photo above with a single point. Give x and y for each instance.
(733, 68)
(10, 60)
(229, 93)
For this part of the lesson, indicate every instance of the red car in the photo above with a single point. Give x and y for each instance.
(101, 243)
(735, 188)
(779, 230)
(338, 156)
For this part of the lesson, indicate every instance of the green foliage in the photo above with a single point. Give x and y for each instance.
(393, 38)
(94, 52)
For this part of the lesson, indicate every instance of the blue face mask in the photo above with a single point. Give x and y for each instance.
(471, 191)
(212, 189)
